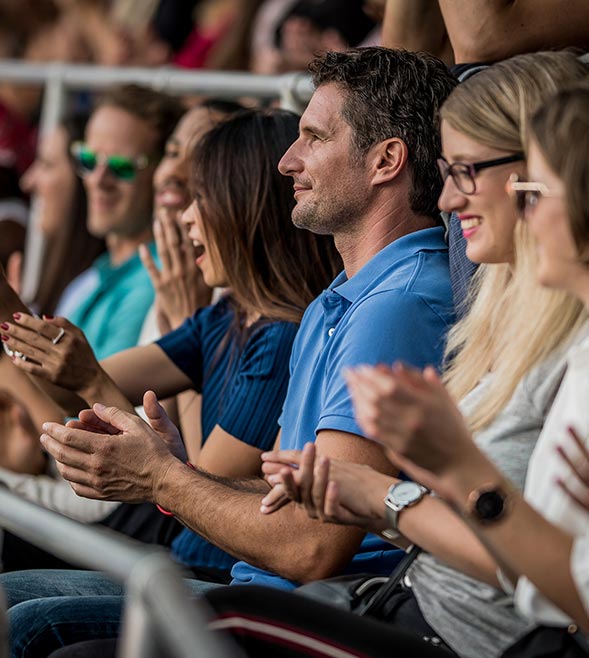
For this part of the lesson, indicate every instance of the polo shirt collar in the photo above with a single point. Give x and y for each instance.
(387, 259)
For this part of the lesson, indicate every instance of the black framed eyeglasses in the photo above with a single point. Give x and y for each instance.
(527, 194)
(464, 173)
(121, 167)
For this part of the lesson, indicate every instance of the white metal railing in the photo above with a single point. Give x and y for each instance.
(292, 89)
(158, 612)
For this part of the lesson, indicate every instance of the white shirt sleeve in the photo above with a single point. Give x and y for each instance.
(55, 494)
(543, 493)
(580, 568)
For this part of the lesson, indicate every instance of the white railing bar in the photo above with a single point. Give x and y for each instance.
(88, 546)
(154, 581)
(219, 83)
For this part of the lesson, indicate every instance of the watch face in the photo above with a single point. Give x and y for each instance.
(405, 493)
(490, 505)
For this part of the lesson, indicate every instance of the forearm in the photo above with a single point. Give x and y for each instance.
(138, 369)
(524, 541)
(104, 390)
(189, 411)
(438, 530)
(483, 30)
(41, 407)
(416, 25)
(433, 526)
(227, 513)
(10, 302)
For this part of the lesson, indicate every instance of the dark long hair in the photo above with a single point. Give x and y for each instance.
(274, 270)
(73, 249)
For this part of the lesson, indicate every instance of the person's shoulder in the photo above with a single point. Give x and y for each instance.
(272, 334)
(423, 278)
(275, 329)
(398, 307)
(84, 285)
(206, 318)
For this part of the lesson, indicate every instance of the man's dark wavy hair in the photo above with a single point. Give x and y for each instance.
(393, 93)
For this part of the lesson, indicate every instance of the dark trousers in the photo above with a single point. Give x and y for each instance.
(270, 623)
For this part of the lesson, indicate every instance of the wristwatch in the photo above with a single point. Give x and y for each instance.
(401, 495)
(488, 504)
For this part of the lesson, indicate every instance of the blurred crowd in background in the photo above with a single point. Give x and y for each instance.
(261, 36)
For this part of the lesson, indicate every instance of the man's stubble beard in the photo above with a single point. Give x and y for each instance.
(329, 218)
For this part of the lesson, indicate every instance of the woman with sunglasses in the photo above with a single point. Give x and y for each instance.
(504, 374)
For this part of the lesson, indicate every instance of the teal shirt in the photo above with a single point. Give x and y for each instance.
(112, 315)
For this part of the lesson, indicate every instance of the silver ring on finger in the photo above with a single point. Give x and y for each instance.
(59, 336)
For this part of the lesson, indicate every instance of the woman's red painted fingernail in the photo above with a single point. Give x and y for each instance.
(16, 316)
(47, 317)
(4, 337)
(5, 326)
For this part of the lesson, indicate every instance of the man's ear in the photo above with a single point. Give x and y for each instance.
(389, 160)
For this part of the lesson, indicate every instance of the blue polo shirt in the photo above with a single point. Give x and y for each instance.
(397, 307)
(233, 373)
(112, 313)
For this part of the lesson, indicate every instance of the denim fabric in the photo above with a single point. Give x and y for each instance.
(48, 609)
(41, 626)
(22, 586)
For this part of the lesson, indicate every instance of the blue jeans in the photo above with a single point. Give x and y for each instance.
(49, 609)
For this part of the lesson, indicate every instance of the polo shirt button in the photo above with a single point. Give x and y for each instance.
(330, 331)
(573, 628)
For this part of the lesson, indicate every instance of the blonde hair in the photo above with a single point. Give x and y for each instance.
(512, 324)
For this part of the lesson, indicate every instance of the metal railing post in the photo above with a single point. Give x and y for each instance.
(295, 92)
(152, 583)
(54, 97)
(161, 614)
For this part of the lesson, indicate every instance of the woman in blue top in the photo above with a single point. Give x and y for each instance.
(236, 352)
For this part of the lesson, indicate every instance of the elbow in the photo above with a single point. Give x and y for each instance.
(314, 562)
(486, 43)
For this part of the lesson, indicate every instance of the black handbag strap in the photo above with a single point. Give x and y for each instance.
(386, 589)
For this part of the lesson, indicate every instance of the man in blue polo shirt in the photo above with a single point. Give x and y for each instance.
(364, 171)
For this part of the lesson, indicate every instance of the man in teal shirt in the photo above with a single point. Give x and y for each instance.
(125, 140)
